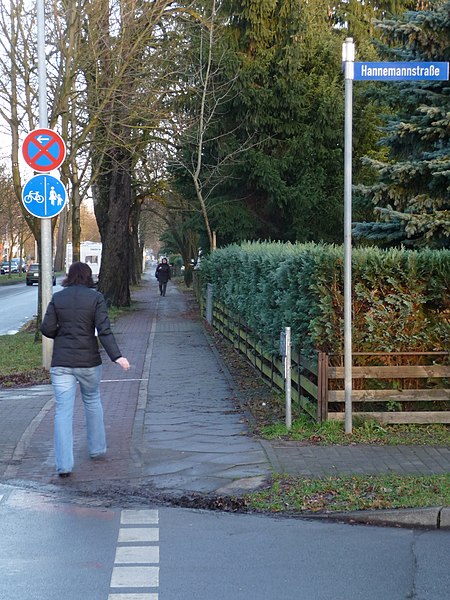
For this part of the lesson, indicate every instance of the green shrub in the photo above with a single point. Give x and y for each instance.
(400, 297)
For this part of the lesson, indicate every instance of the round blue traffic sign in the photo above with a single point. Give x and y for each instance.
(44, 196)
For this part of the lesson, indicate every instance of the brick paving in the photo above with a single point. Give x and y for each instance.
(173, 419)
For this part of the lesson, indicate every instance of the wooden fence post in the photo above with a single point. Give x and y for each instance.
(322, 386)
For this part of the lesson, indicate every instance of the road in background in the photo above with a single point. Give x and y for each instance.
(18, 305)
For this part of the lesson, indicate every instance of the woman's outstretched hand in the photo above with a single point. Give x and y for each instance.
(123, 362)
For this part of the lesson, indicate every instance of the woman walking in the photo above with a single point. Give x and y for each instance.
(163, 275)
(73, 318)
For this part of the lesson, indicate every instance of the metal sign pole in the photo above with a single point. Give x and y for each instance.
(46, 224)
(348, 58)
(287, 380)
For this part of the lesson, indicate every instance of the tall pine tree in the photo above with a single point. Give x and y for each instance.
(412, 194)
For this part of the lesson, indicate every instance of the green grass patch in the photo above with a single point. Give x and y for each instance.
(367, 431)
(362, 492)
(12, 278)
(115, 312)
(21, 362)
(20, 352)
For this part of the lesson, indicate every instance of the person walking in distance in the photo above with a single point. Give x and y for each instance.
(163, 275)
(74, 318)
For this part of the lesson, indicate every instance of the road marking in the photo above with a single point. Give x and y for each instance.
(137, 554)
(133, 597)
(121, 380)
(136, 563)
(138, 534)
(135, 577)
(139, 517)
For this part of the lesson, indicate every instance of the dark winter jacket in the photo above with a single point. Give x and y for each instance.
(71, 319)
(163, 272)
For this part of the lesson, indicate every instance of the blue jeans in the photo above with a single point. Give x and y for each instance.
(64, 380)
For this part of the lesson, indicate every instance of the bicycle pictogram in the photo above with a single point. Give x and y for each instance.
(36, 196)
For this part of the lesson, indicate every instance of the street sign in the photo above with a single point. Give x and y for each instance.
(44, 196)
(43, 150)
(400, 71)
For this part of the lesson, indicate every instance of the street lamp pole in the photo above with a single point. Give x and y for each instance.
(46, 224)
(348, 58)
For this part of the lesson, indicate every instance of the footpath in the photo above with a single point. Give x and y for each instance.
(174, 422)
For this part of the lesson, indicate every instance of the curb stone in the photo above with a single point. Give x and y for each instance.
(427, 518)
(445, 518)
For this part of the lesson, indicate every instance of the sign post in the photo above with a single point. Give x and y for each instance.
(46, 223)
(285, 351)
(366, 71)
(348, 57)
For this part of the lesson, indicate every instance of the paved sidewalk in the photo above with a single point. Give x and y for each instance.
(173, 420)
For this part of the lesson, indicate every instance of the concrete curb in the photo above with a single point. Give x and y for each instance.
(426, 518)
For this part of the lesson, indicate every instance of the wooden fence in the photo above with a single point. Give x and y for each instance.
(410, 387)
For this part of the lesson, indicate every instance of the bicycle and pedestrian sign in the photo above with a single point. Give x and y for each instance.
(44, 196)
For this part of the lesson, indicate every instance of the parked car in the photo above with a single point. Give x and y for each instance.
(13, 268)
(16, 264)
(33, 274)
(5, 267)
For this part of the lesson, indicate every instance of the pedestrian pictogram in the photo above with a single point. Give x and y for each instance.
(44, 196)
(43, 150)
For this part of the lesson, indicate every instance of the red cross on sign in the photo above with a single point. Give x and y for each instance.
(43, 150)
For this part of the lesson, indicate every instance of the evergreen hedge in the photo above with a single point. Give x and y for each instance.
(400, 297)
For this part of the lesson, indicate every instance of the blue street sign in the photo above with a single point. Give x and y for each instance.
(44, 196)
(400, 71)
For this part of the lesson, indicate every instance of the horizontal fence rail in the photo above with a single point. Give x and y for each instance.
(400, 393)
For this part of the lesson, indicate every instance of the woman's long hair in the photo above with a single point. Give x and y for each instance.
(79, 274)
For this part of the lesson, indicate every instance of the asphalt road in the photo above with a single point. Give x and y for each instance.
(18, 305)
(53, 548)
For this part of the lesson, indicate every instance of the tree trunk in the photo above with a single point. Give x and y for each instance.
(61, 241)
(112, 201)
(136, 249)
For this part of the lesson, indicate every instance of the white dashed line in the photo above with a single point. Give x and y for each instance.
(138, 535)
(139, 517)
(133, 597)
(137, 555)
(135, 577)
(136, 564)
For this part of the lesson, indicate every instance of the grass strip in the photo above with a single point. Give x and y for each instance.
(365, 431)
(359, 492)
(12, 279)
(20, 352)
(21, 360)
